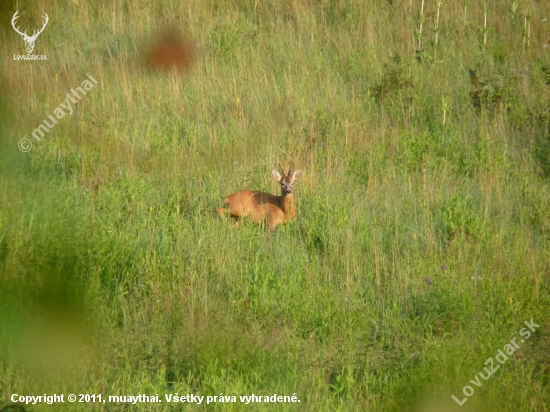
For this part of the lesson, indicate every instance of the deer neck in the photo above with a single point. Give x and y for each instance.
(287, 204)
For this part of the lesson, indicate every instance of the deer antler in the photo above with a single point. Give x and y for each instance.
(46, 18)
(281, 167)
(24, 34)
(291, 168)
(15, 17)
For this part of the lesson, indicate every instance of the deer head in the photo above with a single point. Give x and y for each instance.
(29, 40)
(286, 180)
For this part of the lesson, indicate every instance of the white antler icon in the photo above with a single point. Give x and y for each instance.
(29, 40)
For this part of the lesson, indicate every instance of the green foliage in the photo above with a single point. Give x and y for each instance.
(422, 237)
(395, 80)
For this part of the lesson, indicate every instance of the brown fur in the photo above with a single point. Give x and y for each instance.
(264, 207)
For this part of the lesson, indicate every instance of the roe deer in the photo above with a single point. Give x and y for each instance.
(265, 207)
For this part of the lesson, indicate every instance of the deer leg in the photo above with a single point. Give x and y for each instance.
(272, 223)
(221, 211)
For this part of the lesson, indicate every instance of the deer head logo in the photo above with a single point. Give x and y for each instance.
(29, 40)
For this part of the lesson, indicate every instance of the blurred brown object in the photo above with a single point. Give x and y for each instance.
(171, 51)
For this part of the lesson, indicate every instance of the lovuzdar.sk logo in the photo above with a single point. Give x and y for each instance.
(29, 40)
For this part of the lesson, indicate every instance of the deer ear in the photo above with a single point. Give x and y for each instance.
(276, 175)
(296, 175)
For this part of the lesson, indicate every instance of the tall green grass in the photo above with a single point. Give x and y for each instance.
(116, 276)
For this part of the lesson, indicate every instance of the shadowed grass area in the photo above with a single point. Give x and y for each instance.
(421, 243)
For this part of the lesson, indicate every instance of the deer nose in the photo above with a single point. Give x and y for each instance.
(288, 191)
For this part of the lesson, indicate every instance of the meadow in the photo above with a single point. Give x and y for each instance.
(421, 243)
